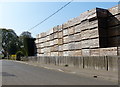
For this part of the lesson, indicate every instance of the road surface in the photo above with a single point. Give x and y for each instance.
(15, 73)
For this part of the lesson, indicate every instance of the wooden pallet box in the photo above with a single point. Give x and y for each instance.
(112, 51)
(65, 53)
(84, 16)
(48, 38)
(94, 33)
(37, 36)
(48, 54)
(84, 25)
(47, 49)
(85, 43)
(77, 28)
(60, 53)
(66, 39)
(97, 13)
(77, 20)
(39, 51)
(43, 39)
(60, 41)
(45, 44)
(42, 50)
(54, 53)
(114, 31)
(101, 13)
(65, 47)
(51, 36)
(71, 46)
(51, 43)
(93, 24)
(114, 10)
(55, 48)
(69, 53)
(55, 41)
(60, 47)
(113, 21)
(114, 41)
(65, 25)
(70, 22)
(60, 28)
(38, 45)
(48, 43)
(55, 35)
(36, 41)
(47, 32)
(43, 34)
(71, 30)
(42, 45)
(51, 31)
(65, 32)
(40, 40)
(39, 54)
(77, 37)
(85, 34)
(71, 38)
(55, 29)
(51, 49)
(94, 43)
(78, 45)
(95, 52)
(78, 53)
(85, 52)
(60, 34)
(92, 14)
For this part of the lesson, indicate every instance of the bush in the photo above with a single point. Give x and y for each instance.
(19, 54)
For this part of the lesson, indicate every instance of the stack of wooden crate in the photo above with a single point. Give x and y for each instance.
(93, 33)
(114, 27)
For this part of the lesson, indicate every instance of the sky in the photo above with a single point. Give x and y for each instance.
(21, 16)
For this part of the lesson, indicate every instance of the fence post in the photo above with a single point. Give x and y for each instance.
(107, 63)
(83, 62)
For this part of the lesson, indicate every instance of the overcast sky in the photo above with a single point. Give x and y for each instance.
(21, 16)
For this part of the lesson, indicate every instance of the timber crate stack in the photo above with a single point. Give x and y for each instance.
(94, 33)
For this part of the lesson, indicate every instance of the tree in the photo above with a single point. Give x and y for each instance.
(28, 44)
(25, 34)
(10, 42)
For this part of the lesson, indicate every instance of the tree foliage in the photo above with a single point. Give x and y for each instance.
(25, 34)
(10, 42)
(27, 43)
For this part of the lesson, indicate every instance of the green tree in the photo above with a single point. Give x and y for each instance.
(28, 44)
(10, 42)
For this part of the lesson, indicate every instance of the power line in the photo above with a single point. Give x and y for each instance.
(50, 16)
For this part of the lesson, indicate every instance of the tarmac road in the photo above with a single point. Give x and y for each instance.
(15, 73)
